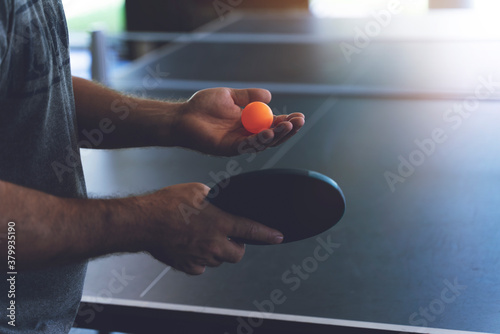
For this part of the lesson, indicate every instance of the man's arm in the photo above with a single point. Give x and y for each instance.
(52, 231)
(209, 122)
(108, 119)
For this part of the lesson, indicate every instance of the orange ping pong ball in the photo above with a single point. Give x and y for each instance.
(256, 117)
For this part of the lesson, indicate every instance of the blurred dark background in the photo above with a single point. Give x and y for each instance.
(188, 15)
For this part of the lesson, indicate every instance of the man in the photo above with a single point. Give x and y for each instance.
(45, 218)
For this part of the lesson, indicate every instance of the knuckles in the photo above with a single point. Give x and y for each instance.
(238, 256)
(194, 270)
(212, 248)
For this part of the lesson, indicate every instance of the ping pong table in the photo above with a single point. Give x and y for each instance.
(407, 127)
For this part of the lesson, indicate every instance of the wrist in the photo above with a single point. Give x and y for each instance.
(111, 226)
(157, 121)
(123, 231)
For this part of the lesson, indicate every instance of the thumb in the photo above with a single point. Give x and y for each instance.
(250, 230)
(242, 97)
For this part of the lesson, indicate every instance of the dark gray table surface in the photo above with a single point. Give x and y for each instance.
(396, 249)
(421, 255)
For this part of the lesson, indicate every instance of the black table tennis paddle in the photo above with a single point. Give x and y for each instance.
(298, 203)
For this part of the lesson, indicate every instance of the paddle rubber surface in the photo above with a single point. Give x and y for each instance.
(299, 203)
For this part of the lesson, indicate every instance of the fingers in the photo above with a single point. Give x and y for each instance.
(228, 251)
(254, 143)
(235, 251)
(281, 131)
(286, 126)
(193, 269)
(242, 97)
(250, 230)
(284, 118)
(223, 250)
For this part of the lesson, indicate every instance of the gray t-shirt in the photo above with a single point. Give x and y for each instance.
(38, 149)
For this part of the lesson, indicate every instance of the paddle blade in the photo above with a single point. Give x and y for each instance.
(299, 203)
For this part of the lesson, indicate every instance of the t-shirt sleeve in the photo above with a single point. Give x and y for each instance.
(5, 9)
